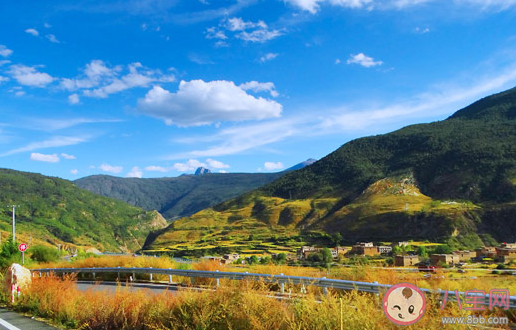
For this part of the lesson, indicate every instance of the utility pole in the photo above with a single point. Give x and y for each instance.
(14, 220)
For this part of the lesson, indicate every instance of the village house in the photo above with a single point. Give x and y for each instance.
(338, 250)
(229, 258)
(508, 245)
(448, 259)
(364, 249)
(384, 249)
(305, 251)
(465, 255)
(505, 254)
(485, 252)
(404, 261)
(403, 243)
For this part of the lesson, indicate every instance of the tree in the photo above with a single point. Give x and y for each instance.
(326, 255)
(443, 249)
(9, 253)
(337, 239)
(422, 252)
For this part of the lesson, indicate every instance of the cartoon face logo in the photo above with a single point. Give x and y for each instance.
(404, 304)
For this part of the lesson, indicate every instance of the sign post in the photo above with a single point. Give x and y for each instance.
(22, 247)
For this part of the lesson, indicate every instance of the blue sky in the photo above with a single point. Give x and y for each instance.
(153, 88)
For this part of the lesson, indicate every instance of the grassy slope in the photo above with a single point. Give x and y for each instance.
(54, 211)
(179, 196)
(449, 179)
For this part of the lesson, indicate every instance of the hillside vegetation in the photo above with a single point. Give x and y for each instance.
(55, 211)
(452, 180)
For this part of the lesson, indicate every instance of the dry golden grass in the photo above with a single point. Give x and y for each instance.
(230, 308)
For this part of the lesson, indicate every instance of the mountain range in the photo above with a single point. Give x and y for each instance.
(180, 196)
(450, 181)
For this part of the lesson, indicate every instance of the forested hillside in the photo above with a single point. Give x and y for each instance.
(55, 211)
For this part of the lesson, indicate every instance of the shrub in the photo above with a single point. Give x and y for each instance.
(41, 253)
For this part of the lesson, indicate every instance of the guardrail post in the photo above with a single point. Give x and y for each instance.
(118, 274)
(192, 280)
(325, 289)
(218, 283)
(39, 274)
(93, 275)
(134, 277)
(170, 278)
(150, 275)
(48, 274)
(376, 288)
(282, 285)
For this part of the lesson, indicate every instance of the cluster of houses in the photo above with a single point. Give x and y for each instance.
(506, 252)
(503, 253)
(225, 259)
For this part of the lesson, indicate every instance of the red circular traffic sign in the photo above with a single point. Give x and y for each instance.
(22, 247)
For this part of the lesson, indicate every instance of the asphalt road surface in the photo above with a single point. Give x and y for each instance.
(112, 286)
(13, 321)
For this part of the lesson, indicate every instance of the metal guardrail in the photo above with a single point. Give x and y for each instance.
(323, 282)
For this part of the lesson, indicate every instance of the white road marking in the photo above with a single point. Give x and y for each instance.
(8, 325)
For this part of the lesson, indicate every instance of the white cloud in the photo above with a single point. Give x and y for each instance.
(337, 61)
(201, 103)
(212, 163)
(99, 80)
(313, 6)
(421, 30)
(190, 165)
(214, 33)
(67, 156)
(74, 171)
(52, 38)
(4, 51)
(19, 93)
(3, 62)
(259, 35)
(270, 166)
(112, 169)
(260, 87)
(49, 124)
(154, 168)
(222, 171)
(268, 57)
(2, 79)
(44, 158)
(247, 31)
(29, 76)
(246, 137)
(57, 141)
(34, 32)
(73, 98)
(47, 26)
(135, 172)
(363, 60)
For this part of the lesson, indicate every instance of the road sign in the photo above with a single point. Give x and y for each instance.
(22, 247)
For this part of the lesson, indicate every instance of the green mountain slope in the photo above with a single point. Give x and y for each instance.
(449, 180)
(178, 196)
(55, 211)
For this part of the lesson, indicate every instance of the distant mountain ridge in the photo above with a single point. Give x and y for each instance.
(452, 180)
(185, 195)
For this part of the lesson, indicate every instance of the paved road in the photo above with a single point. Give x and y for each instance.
(112, 286)
(14, 321)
